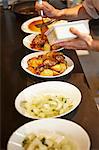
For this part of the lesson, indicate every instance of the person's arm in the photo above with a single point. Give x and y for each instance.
(94, 45)
(75, 13)
(91, 44)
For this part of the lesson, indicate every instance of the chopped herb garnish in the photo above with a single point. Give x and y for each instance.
(43, 140)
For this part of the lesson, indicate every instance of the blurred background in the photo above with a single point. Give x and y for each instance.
(56, 3)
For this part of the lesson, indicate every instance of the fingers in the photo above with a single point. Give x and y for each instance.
(82, 36)
(38, 6)
(47, 5)
(75, 44)
(48, 9)
(74, 31)
(44, 6)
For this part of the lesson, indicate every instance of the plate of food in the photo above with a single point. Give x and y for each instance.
(48, 134)
(48, 100)
(33, 25)
(38, 42)
(47, 64)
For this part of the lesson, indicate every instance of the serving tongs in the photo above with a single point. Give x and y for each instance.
(46, 23)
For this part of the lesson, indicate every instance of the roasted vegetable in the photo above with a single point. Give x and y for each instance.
(49, 64)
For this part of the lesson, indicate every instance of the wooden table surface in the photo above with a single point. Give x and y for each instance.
(14, 80)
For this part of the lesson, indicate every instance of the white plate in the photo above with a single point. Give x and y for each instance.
(25, 28)
(28, 40)
(49, 87)
(72, 130)
(24, 65)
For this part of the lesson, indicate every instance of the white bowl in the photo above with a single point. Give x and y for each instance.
(24, 65)
(28, 40)
(48, 88)
(68, 128)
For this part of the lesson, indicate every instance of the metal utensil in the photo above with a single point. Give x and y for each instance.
(46, 23)
(43, 26)
(41, 11)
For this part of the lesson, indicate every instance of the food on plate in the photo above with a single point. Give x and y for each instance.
(34, 25)
(40, 42)
(59, 67)
(47, 46)
(47, 72)
(49, 64)
(48, 141)
(46, 105)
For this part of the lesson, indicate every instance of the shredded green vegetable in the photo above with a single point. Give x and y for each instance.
(48, 141)
(45, 106)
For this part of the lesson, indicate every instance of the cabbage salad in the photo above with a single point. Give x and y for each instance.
(53, 141)
(45, 106)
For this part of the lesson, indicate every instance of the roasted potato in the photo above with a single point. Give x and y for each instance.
(31, 69)
(49, 64)
(47, 72)
(55, 73)
(47, 47)
(59, 67)
(34, 62)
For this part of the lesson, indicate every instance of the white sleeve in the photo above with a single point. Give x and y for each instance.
(90, 9)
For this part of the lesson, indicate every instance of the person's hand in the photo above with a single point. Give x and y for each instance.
(48, 9)
(82, 42)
